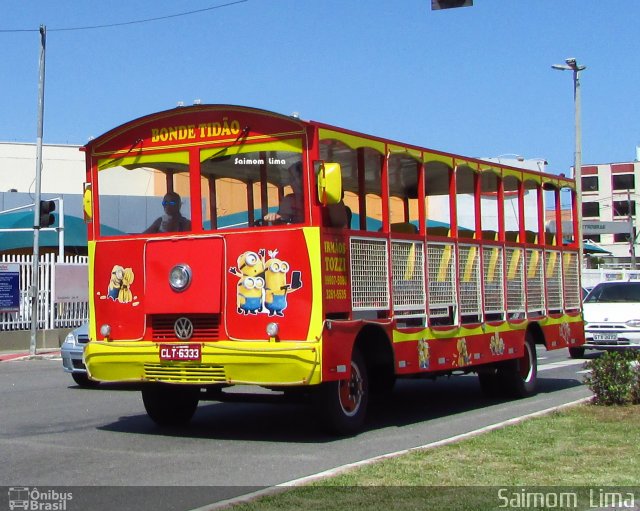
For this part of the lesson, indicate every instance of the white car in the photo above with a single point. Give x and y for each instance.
(612, 317)
(72, 350)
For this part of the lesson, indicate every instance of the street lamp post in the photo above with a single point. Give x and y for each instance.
(572, 65)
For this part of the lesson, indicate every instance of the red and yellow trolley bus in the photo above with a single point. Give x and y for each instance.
(248, 247)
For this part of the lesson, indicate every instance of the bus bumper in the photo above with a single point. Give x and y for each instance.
(227, 362)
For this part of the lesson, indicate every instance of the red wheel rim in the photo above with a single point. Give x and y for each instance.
(350, 392)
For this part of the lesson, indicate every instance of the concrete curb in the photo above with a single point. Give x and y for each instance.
(22, 355)
(282, 487)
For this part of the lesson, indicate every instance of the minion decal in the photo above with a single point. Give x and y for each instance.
(424, 357)
(263, 286)
(250, 270)
(249, 296)
(463, 358)
(496, 344)
(119, 288)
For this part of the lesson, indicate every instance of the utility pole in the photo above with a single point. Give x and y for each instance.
(36, 209)
(632, 237)
(573, 66)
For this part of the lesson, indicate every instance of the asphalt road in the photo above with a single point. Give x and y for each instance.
(54, 434)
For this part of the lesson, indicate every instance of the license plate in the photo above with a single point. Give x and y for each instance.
(605, 337)
(181, 352)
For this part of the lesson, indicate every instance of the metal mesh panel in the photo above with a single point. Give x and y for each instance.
(442, 289)
(553, 277)
(369, 275)
(493, 279)
(571, 281)
(535, 280)
(407, 272)
(469, 279)
(515, 280)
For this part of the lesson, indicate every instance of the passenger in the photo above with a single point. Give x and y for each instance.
(172, 220)
(340, 214)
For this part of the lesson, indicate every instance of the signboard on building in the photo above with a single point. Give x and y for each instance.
(590, 227)
(597, 227)
(9, 287)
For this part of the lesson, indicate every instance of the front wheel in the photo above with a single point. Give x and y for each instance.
(83, 380)
(519, 376)
(343, 404)
(170, 405)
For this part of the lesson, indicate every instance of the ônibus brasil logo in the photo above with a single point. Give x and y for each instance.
(32, 499)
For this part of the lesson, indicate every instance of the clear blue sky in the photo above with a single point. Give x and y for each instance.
(476, 80)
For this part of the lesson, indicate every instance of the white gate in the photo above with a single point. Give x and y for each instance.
(51, 315)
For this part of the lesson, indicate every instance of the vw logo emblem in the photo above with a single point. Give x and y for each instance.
(183, 327)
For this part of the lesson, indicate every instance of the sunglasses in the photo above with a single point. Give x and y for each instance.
(169, 203)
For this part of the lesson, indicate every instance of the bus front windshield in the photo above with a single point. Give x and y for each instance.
(239, 187)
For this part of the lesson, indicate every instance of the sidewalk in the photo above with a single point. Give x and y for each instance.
(42, 353)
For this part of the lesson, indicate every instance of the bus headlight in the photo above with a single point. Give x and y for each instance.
(180, 277)
(105, 331)
(273, 329)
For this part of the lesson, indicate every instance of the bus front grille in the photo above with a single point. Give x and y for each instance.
(184, 373)
(206, 327)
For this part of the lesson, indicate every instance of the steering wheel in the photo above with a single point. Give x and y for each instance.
(278, 221)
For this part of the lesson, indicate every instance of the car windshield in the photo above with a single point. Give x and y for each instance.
(619, 292)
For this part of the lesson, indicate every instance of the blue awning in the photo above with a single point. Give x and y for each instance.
(75, 232)
(589, 247)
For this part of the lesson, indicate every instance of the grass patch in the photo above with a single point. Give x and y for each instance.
(586, 446)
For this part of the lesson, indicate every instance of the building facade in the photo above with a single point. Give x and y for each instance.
(609, 195)
(63, 168)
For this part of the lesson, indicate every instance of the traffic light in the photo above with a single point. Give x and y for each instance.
(47, 207)
(449, 4)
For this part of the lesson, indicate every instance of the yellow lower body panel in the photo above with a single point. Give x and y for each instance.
(231, 362)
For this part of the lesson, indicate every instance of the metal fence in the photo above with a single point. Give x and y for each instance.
(592, 277)
(51, 315)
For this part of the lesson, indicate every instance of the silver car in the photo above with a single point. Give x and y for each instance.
(612, 316)
(72, 350)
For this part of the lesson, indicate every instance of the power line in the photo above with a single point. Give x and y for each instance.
(123, 23)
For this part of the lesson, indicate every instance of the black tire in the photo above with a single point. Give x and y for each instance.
(170, 405)
(382, 380)
(518, 377)
(489, 382)
(576, 352)
(343, 404)
(83, 380)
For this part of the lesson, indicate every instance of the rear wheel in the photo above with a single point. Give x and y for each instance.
(170, 405)
(576, 352)
(489, 382)
(519, 376)
(343, 404)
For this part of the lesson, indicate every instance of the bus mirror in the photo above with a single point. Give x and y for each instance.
(330, 183)
(87, 203)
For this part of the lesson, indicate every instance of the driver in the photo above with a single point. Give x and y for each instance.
(172, 220)
(289, 212)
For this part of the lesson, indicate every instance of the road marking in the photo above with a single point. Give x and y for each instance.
(282, 487)
(556, 365)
